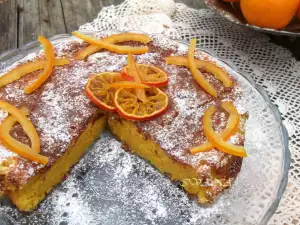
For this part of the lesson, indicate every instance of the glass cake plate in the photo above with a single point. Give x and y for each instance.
(110, 186)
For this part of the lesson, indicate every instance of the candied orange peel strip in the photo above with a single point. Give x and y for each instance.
(230, 129)
(112, 39)
(216, 139)
(49, 51)
(111, 47)
(196, 73)
(127, 84)
(17, 115)
(218, 72)
(15, 145)
(24, 122)
(134, 72)
(24, 69)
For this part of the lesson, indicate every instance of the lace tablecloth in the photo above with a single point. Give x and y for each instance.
(271, 66)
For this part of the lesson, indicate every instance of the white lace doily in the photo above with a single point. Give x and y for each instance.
(271, 66)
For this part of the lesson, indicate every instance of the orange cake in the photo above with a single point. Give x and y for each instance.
(67, 122)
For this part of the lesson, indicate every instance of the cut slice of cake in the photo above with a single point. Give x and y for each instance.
(66, 121)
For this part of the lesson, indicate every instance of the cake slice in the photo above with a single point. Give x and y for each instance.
(65, 120)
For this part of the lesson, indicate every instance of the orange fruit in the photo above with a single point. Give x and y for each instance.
(99, 91)
(149, 74)
(275, 14)
(129, 106)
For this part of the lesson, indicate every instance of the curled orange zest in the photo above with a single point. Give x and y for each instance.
(196, 73)
(8, 123)
(216, 139)
(218, 72)
(134, 72)
(49, 51)
(127, 84)
(24, 122)
(230, 129)
(111, 47)
(116, 38)
(15, 145)
(22, 70)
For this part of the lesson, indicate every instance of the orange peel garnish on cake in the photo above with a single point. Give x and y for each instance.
(231, 127)
(218, 72)
(112, 47)
(27, 68)
(219, 140)
(196, 73)
(134, 73)
(150, 75)
(49, 51)
(133, 99)
(113, 39)
(17, 115)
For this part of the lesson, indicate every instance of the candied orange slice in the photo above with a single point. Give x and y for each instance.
(15, 145)
(149, 74)
(230, 129)
(22, 70)
(111, 47)
(216, 139)
(112, 39)
(24, 122)
(98, 89)
(196, 73)
(129, 106)
(218, 72)
(49, 51)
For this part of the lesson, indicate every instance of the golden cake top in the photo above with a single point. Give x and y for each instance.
(60, 109)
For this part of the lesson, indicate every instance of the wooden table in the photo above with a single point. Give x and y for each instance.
(21, 21)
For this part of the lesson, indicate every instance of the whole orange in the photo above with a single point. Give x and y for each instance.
(274, 14)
